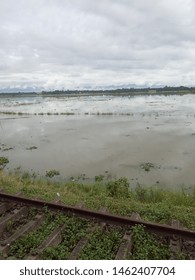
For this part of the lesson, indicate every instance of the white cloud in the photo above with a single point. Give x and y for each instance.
(80, 43)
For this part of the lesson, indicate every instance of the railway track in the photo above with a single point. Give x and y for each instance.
(36, 229)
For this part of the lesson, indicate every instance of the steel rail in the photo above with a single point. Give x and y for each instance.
(106, 217)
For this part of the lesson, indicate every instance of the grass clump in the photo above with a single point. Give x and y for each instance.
(147, 166)
(3, 162)
(75, 229)
(52, 173)
(99, 178)
(102, 245)
(31, 148)
(118, 188)
(147, 246)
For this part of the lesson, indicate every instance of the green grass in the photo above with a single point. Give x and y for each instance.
(102, 245)
(3, 162)
(148, 246)
(29, 242)
(75, 229)
(153, 204)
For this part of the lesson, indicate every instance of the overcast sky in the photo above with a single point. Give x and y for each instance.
(55, 44)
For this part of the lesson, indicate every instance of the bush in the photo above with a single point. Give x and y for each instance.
(52, 173)
(3, 162)
(118, 188)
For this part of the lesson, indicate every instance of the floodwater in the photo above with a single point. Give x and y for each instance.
(149, 129)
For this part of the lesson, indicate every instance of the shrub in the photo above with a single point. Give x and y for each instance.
(118, 188)
(3, 162)
(52, 173)
(147, 166)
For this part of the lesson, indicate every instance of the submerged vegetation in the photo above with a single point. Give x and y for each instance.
(3, 162)
(67, 113)
(148, 165)
(52, 173)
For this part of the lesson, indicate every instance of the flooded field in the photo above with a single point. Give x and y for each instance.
(148, 139)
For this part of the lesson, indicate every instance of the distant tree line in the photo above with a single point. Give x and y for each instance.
(167, 90)
(163, 90)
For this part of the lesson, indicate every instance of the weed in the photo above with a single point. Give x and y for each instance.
(52, 173)
(99, 178)
(152, 203)
(102, 245)
(140, 193)
(3, 162)
(7, 149)
(81, 177)
(9, 225)
(118, 188)
(29, 242)
(31, 148)
(26, 176)
(147, 246)
(147, 166)
(74, 230)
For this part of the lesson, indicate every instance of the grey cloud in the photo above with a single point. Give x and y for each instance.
(66, 43)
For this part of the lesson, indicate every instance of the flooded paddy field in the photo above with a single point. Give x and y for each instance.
(148, 139)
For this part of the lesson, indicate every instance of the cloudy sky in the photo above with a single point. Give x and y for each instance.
(71, 44)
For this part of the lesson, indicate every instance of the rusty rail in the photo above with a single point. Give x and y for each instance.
(108, 218)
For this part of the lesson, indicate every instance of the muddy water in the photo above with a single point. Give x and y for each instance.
(111, 145)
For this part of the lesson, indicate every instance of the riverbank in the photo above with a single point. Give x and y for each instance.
(154, 204)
